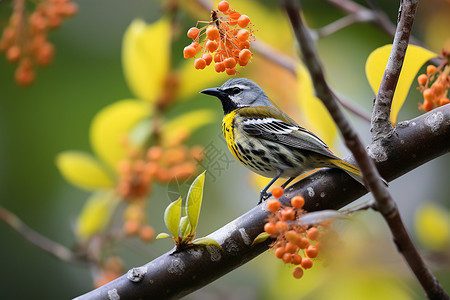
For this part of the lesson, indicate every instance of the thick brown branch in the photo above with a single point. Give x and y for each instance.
(173, 276)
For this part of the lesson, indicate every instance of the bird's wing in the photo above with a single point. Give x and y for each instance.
(275, 126)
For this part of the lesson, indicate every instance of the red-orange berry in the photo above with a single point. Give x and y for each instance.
(297, 273)
(277, 192)
(243, 35)
(273, 205)
(287, 257)
(427, 105)
(211, 46)
(243, 21)
(282, 226)
(218, 57)
(193, 32)
(312, 251)
(231, 71)
(13, 53)
(235, 15)
(219, 67)
(223, 6)
(270, 228)
(306, 263)
(287, 214)
(229, 62)
(444, 101)
(279, 252)
(131, 227)
(147, 233)
(437, 88)
(208, 58)
(291, 247)
(244, 56)
(303, 243)
(199, 63)
(428, 95)
(296, 259)
(313, 233)
(189, 51)
(297, 201)
(422, 79)
(212, 33)
(431, 69)
(293, 237)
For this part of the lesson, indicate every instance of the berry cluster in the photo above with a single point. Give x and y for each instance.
(25, 41)
(135, 221)
(295, 244)
(227, 41)
(434, 86)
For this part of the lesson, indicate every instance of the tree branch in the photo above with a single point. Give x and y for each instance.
(381, 126)
(172, 276)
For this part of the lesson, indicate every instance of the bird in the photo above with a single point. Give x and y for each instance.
(266, 140)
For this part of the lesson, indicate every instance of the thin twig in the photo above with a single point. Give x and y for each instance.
(372, 179)
(38, 240)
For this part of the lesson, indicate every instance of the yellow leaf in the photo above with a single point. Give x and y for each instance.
(433, 227)
(146, 57)
(96, 214)
(415, 57)
(312, 107)
(83, 170)
(112, 125)
(189, 122)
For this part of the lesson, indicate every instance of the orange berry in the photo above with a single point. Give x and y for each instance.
(282, 226)
(245, 55)
(422, 79)
(24, 75)
(297, 273)
(244, 44)
(211, 46)
(223, 6)
(277, 192)
(218, 57)
(231, 71)
(273, 205)
(243, 21)
(306, 263)
(270, 228)
(291, 247)
(193, 32)
(219, 67)
(229, 63)
(431, 69)
(208, 58)
(287, 214)
(131, 227)
(279, 252)
(312, 251)
(212, 33)
(13, 53)
(293, 237)
(243, 35)
(199, 63)
(235, 15)
(438, 88)
(303, 243)
(427, 105)
(297, 201)
(154, 153)
(147, 233)
(189, 51)
(313, 233)
(296, 259)
(444, 101)
(45, 54)
(287, 257)
(428, 95)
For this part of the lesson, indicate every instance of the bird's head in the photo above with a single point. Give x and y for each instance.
(239, 92)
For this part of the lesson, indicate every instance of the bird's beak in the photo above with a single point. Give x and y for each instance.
(212, 91)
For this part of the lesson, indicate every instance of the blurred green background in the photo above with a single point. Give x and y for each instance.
(53, 115)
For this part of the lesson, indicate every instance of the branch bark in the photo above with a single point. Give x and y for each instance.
(172, 276)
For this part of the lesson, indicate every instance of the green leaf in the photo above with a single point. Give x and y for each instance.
(206, 241)
(185, 227)
(172, 216)
(194, 200)
(260, 238)
(162, 235)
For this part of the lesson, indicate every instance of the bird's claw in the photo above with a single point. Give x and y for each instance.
(263, 196)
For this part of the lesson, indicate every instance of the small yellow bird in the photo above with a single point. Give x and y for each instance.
(266, 140)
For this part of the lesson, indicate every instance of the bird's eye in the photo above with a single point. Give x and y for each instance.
(235, 90)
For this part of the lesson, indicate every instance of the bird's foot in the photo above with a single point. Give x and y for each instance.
(263, 196)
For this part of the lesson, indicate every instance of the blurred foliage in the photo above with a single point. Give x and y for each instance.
(73, 99)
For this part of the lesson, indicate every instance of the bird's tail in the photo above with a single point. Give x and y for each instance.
(350, 169)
